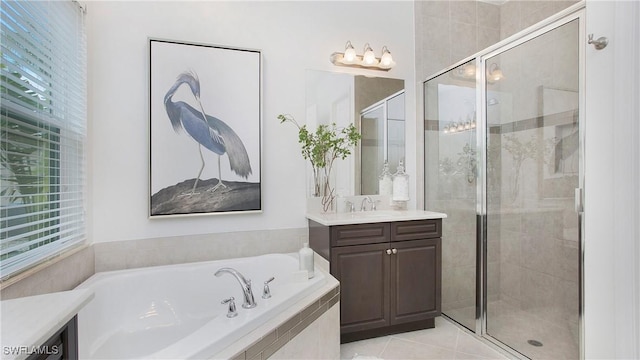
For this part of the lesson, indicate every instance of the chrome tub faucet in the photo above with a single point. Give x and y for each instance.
(249, 301)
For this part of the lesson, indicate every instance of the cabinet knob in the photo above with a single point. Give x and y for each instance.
(388, 251)
(394, 251)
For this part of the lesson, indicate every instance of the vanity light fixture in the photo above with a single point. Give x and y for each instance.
(460, 126)
(367, 60)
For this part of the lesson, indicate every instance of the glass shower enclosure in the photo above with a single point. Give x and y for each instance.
(503, 159)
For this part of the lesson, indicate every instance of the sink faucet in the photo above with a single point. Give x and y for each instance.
(363, 206)
(249, 301)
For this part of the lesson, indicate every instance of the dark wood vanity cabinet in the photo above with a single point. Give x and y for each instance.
(62, 345)
(389, 274)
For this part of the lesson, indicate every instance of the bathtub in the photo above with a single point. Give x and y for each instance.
(175, 311)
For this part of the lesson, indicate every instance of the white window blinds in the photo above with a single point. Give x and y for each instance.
(43, 114)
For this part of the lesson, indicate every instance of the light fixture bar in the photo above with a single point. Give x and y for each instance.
(368, 60)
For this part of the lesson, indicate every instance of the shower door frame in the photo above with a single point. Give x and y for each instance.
(574, 12)
(544, 27)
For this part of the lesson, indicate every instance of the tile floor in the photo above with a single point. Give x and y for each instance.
(515, 326)
(445, 341)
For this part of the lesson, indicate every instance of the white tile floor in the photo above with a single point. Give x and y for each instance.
(445, 341)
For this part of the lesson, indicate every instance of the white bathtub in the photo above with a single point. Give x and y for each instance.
(174, 311)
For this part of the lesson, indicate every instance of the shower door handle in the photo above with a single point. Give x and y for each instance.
(579, 206)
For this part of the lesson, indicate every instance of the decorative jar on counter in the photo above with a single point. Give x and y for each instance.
(400, 184)
(385, 181)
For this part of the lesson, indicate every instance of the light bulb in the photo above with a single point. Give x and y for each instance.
(349, 54)
(386, 60)
(496, 75)
(369, 58)
(469, 70)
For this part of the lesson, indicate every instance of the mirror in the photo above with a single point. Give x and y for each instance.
(377, 107)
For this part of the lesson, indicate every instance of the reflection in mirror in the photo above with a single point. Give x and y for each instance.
(382, 127)
(343, 99)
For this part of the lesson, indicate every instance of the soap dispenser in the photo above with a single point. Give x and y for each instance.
(306, 259)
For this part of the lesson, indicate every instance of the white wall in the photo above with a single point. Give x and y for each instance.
(612, 196)
(293, 36)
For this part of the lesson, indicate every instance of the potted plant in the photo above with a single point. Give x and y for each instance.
(322, 148)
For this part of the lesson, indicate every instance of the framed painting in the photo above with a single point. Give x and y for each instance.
(205, 129)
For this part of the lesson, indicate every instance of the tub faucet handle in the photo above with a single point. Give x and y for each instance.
(266, 292)
(232, 307)
(249, 301)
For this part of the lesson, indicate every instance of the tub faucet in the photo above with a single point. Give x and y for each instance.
(249, 301)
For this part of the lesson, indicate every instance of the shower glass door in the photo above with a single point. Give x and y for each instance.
(533, 167)
(503, 159)
(451, 182)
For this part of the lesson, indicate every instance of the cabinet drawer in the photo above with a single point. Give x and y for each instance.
(417, 229)
(346, 235)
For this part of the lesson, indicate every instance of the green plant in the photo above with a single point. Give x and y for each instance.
(322, 148)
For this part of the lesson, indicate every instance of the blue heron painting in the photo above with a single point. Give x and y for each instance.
(207, 131)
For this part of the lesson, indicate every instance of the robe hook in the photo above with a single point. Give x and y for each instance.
(600, 43)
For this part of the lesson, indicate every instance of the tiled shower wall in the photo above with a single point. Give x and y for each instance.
(449, 31)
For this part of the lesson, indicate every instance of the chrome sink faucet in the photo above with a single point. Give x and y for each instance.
(249, 301)
(363, 206)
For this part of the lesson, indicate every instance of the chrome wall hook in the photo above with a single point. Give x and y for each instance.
(600, 43)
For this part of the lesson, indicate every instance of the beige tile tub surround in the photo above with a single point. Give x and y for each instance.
(131, 254)
(61, 273)
(68, 270)
(312, 333)
(310, 329)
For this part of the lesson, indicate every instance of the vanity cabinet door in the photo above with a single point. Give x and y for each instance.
(363, 272)
(415, 280)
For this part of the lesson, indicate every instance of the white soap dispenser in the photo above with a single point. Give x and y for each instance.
(306, 259)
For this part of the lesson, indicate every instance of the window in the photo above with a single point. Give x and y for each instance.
(43, 129)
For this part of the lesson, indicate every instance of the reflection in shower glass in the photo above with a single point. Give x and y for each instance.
(450, 176)
(533, 167)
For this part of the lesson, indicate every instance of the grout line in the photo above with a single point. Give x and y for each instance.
(455, 347)
(385, 347)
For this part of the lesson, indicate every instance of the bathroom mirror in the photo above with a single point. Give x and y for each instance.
(377, 107)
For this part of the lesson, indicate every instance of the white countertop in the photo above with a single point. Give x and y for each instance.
(31, 321)
(365, 217)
